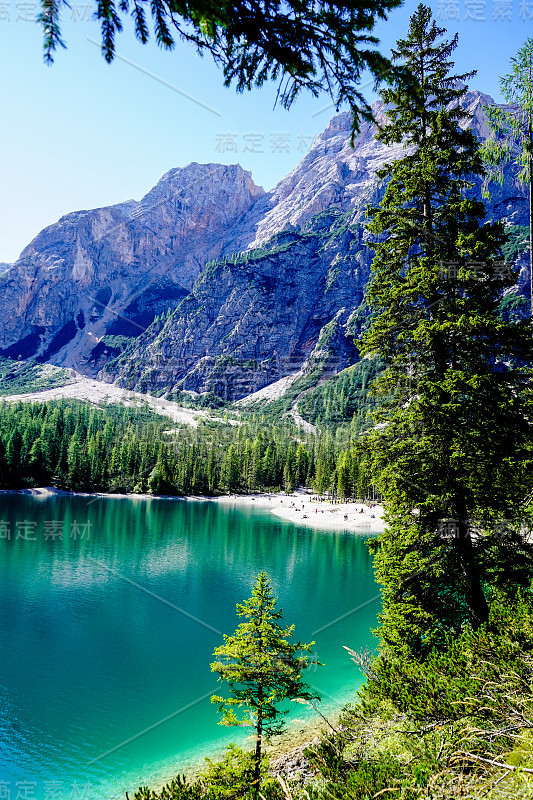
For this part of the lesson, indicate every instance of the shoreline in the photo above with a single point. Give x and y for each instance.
(298, 507)
(301, 733)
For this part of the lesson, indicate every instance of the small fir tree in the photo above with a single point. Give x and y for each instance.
(262, 668)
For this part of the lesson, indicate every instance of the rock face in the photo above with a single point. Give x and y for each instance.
(331, 175)
(111, 270)
(153, 296)
(291, 303)
(254, 319)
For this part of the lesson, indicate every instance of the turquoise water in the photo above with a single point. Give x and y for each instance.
(109, 613)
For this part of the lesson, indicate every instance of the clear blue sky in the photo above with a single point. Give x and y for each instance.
(82, 134)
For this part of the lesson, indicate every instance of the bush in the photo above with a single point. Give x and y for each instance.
(232, 778)
(177, 789)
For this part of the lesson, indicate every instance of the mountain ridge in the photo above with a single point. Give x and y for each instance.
(209, 283)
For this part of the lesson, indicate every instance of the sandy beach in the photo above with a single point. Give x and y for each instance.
(301, 509)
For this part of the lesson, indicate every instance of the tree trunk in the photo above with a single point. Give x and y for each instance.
(258, 741)
(475, 599)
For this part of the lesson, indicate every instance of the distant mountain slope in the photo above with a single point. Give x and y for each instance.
(124, 292)
(264, 314)
(261, 317)
(92, 271)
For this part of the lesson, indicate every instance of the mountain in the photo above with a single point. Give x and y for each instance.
(255, 318)
(111, 270)
(211, 284)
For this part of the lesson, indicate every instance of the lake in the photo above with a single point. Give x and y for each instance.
(110, 610)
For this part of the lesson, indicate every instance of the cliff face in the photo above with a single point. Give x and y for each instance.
(251, 320)
(290, 304)
(85, 292)
(335, 174)
(110, 270)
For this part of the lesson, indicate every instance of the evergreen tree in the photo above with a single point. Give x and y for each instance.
(78, 468)
(268, 466)
(262, 668)
(38, 463)
(4, 473)
(511, 140)
(246, 465)
(302, 465)
(13, 458)
(344, 488)
(289, 471)
(325, 465)
(212, 472)
(160, 478)
(230, 473)
(451, 447)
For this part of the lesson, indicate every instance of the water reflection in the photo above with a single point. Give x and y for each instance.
(91, 656)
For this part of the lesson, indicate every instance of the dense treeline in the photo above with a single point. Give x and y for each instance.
(77, 447)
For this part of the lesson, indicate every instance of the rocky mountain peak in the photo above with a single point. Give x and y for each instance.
(96, 280)
(127, 261)
(205, 185)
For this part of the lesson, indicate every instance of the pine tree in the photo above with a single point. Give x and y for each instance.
(256, 471)
(302, 465)
(4, 467)
(451, 446)
(268, 466)
(343, 476)
(212, 471)
(38, 463)
(261, 667)
(289, 472)
(160, 478)
(74, 463)
(13, 458)
(231, 472)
